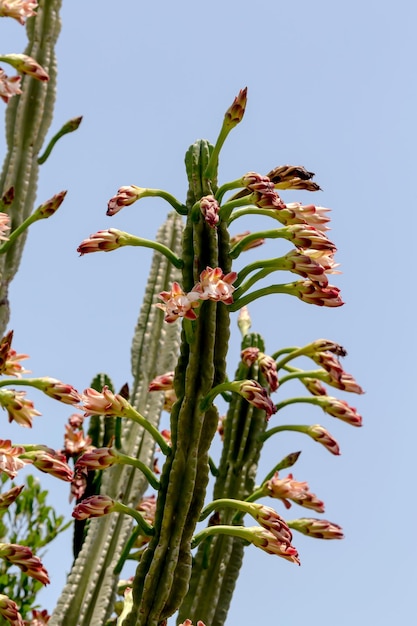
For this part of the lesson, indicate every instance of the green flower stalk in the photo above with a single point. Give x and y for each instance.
(68, 127)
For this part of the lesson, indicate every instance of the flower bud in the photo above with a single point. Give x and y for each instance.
(236, 111)
(94, 506)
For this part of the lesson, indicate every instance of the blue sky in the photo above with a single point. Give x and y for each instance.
(330, 86)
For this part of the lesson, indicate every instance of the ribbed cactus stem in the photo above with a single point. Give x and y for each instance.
(28, 118)
(218, 560)
(88, 597)
(164, 572)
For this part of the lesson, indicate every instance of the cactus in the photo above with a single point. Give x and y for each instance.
(217, 562)
(209, 290)
(191, 280)
(88, 597)
(28, 118)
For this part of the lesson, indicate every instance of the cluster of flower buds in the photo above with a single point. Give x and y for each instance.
(266, 363)
(22, 557)
(275, 532)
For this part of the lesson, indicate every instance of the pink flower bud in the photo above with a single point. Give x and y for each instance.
(311, 292)
(297, 213)
(8, 497)
(23, 557)
(257, 395)
(104, 403)
(317, 528)
(235, 112)
(26, 65)
(97, 459)
(50, 462)
(269, 519)
(102, 241)
(305, 236)
(255, 182)
(268, 368)
(51, 206)
(162, 382)
(267, 541)
(10, 612)
(210, 209)
(249, 356)
(125, 196)
(314, 386)
(321, 435)
(268, 200)
(340, 409)
(94, 506)
(59, 391)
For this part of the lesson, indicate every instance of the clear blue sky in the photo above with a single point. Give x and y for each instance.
(331, 86)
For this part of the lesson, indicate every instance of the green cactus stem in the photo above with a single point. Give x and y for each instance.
(88, 597)
(163, 574)
(28, 118)
(218, 560)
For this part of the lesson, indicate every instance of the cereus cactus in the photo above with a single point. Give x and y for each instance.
(89, 595)
(201, 299)
(31, 100)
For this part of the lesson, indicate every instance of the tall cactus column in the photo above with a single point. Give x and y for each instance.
(28, 118)
(167, 563)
